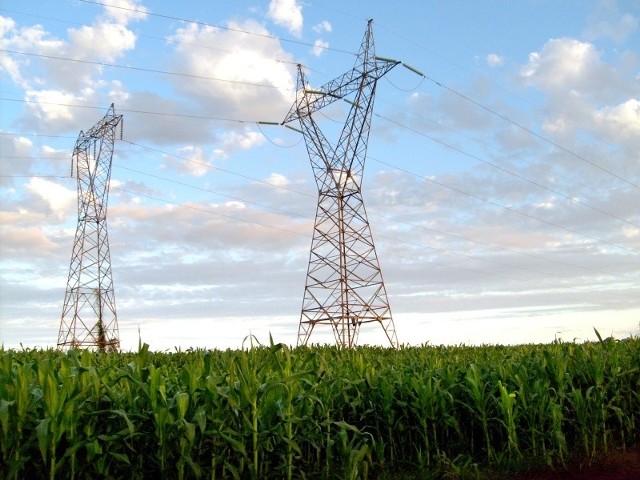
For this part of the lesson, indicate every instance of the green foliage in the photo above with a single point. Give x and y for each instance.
(315, 413)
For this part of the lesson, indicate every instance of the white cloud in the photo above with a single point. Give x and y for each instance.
(49, 151)
(108, 38)
(107, 41)
(631, 232)
(235, 204)
(619, 32)
(278, 179)
(494, 60)
(319, 47)
(323, 26)
(556, 125)
(7, 63)
(12, 67)
(32, 39)
(6, 25)
(20, 147)
(233, 141)
(287, 13)
(561, 64)
(620, 121)
(51, 105)
(608, 22)
(243, 63)
(124, 11)
(585, 93)
(568, 66)
(196, 163)
(61, 201)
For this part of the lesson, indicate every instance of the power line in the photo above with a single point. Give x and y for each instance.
(455, 189)
(509, 172)
(124, 110)
(459, 150)
(478, 242)
(573, 199)
(538, 257)
(392, 240)
(451, 90)
(506, 207)
(274, 143)
(23, 157)
(220, 169)
(302, 193)
(488, 109)
(222, 27)
(199, 45)
(25, 134)
(207, 190)
(532, 132)
(141, 69)
(35, 176)
(465, 97)
(204, 210)
(460, 237)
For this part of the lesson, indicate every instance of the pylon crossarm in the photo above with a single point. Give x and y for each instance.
(99, 130)
(339, 88)
(351, 149)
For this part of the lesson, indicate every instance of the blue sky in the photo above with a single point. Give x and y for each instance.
(502, 187)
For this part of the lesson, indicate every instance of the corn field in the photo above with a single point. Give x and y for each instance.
(316, 412)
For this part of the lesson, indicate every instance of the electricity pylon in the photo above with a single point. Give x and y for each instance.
(344, 286)
(89, 317)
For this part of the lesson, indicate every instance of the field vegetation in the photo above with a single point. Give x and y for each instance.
(316, 412)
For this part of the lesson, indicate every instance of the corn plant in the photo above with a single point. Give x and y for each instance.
(315, 412)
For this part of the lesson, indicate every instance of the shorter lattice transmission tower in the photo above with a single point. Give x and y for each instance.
(89, 317)
(344, 287)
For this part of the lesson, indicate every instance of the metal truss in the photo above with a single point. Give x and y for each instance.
(344, 286)
(89, 317)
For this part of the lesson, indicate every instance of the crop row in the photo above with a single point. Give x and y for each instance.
(317, 412)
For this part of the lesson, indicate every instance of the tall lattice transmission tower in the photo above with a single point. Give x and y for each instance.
(89, 317)
(344, 286)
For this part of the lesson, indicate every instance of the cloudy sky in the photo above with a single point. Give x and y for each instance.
(502, 183)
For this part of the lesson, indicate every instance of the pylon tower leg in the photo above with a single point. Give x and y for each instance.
(89, 318)
(344, 286)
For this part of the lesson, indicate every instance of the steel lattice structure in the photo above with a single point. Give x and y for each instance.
(89, 317)
(344, 286)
